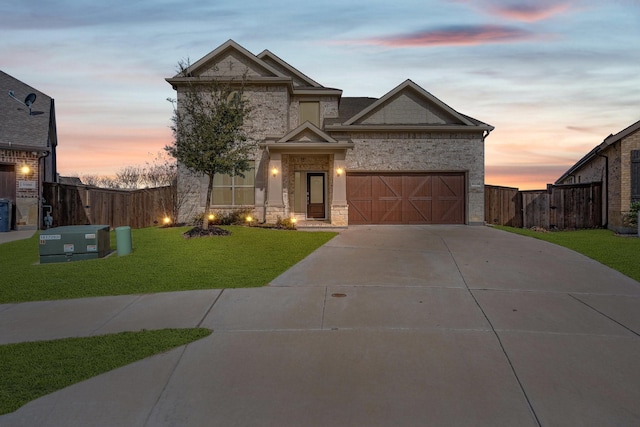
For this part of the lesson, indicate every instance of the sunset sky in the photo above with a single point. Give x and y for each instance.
(554, 77)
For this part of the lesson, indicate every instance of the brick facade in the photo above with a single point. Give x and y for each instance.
(415, 152)
(610, 161)
(440, 139)
(27, 191)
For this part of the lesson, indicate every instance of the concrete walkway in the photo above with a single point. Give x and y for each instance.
(382, 326)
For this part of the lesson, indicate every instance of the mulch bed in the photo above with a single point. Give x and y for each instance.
(201, 232)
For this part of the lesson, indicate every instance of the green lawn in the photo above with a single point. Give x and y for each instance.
(617, 252)
(161, 261)
(33, 369)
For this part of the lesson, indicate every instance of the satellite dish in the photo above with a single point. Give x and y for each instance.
(30, 99)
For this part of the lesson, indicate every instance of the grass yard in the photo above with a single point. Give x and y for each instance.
(161, 261)
(34, 369)
(604, 246)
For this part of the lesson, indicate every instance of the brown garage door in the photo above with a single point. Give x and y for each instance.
(408, 198)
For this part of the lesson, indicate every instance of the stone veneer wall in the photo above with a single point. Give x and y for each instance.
(269, 117)
(27, 191)
(425, 151)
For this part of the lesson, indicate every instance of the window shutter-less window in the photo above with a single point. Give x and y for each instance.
(635, 175)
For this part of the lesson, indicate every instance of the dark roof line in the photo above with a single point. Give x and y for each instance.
(608, 141)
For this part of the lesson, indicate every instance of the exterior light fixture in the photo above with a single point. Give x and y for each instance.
(339, 171)
(211, 217)
(26, 170)
(166, 220)
(294, 220)
(249, 219)
(274, 171)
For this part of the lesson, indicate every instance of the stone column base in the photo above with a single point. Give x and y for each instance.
(340, 215)
(273, 212)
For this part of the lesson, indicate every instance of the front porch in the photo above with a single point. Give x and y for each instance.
(306, 178)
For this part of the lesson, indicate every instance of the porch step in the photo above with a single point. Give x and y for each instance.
(310, 224)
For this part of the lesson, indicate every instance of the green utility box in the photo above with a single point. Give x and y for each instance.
(74, 243)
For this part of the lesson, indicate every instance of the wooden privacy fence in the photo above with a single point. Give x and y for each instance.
(79, 205)
(558, 207)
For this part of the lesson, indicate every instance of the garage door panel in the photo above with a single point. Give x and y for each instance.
(360, 187)
(388, 212)
(413, 198)
(360, 212)
(418, 212)
(387, 187)
(448, 212)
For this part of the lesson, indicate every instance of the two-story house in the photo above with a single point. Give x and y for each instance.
(405, 158)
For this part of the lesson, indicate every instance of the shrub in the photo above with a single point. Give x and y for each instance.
(631, 218)
(286, 224)
(224, 217)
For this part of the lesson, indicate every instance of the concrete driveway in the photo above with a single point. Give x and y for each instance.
(382, 326)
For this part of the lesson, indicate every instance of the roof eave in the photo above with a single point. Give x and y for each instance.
(21, 147)
(415, 128)
(306, 146)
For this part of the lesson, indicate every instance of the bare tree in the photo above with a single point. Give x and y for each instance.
(130, 177)
(160, 172)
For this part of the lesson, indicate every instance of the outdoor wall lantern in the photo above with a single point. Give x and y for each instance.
(274, 171)
(339, 171)
(26, 170)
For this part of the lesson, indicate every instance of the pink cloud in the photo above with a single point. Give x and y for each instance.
(534, 11)
(525, 11)
(455, 35)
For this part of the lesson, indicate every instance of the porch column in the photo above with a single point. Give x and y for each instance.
(339, 207)
(275, 204)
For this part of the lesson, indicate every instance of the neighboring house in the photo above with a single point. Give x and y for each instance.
(616, 163)
(406, 158)
(27, 149)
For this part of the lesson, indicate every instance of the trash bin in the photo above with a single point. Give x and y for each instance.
(123, 240)
(6, 208)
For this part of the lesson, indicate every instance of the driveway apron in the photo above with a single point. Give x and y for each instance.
(381, 326)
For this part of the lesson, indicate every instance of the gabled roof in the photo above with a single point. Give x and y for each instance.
(608, 141)
(623, 133)
(230, 62)
(212, 65)
(408, 106)
(306, 137)
(20, 130)
(284, 67)
(404, 87)
(306, 132)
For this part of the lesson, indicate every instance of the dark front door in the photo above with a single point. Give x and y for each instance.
(8, 182)
(315, 196)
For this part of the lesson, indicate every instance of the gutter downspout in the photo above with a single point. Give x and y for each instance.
(606, 200)
(42, 173)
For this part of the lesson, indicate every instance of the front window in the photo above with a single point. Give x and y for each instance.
(234, 190)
